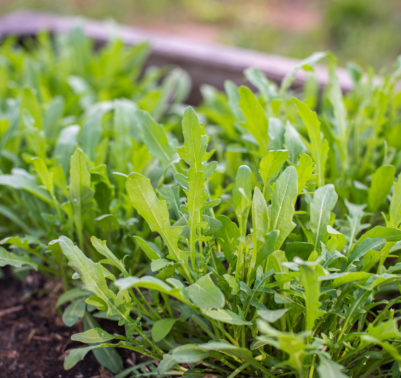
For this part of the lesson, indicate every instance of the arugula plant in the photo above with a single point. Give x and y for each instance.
(272, 283)
(70, 132)
(259, 238)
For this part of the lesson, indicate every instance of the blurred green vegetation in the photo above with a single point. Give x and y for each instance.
(365, 31)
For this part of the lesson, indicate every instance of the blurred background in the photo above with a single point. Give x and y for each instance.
(367, 32)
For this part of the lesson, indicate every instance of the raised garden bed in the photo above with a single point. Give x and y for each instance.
(263, 243)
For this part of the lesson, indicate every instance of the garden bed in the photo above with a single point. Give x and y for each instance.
(256, 235)
(33, 338)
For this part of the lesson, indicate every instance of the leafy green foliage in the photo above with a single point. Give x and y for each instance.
(323, 202)
(256, 236)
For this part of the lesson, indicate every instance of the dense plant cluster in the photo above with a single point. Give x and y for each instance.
(257, 236)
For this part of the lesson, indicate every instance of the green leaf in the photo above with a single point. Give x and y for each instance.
(70, 295)
(78, 354)
(233, 98)
(92, 336)
(255, 118)
(271, 164)
(311, 284)
(380, 186)
(151, 283)
(51, 119)
(96, 302)
(193, 152)
(330, 369)
(226, 316)
(323, 202)
(107, 357)
(228, 236)
(143, 198)
(184, 354)
(8, 258)
(340, 112)
(298, 249)
(195, 140)
(159, 264)
(336, 241)
(30, 103)
(205, 294)
(276, 134)
(192, 353)
(304, 171)
(45, 175)
(364, 247)
(259, 80)
(91, 133)
(386, 346)
(228, 349)
(292, 344)
(175, 88)
(93, 276)
(318, 148)
(242, 192)
(385, 330)
(21, 242)
(80, 190)
(340, 279)
(150, 249)
(155, 138)
(395, 205)
(20, 179)
(101, 247)
(388, 233)
(293, 143)
(260, 221)
(233, 283)
(283, 202)
(305, 64)
(161, 328)
(124, 129)
(6, 212)
(74, 312)
(66, 145)
(272, 316)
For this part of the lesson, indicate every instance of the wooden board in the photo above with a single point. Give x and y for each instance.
(205, 63)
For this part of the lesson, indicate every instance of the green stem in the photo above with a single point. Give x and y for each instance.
(238, 370)
(192, 248)
(167, 304)
(312, 369)
(155, 314)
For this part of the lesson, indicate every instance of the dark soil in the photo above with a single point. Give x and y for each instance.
(33, 338)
